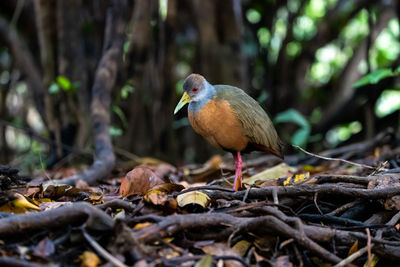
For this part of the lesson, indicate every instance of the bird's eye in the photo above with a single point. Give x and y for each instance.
(195, 89)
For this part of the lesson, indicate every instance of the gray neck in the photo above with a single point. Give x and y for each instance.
(202, 99)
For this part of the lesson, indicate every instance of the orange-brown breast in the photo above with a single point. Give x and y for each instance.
(217, 122)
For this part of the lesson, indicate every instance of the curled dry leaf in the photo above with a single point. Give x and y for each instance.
(14, 202)
(193, 197)
(158, 195)
(138, 181)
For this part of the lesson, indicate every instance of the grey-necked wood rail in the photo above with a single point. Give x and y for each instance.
(230, 119)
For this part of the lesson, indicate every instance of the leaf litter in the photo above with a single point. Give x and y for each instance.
(305, 211)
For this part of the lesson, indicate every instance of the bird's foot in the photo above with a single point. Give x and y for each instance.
(237, 184)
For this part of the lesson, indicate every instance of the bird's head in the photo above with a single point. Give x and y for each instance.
(195, 88)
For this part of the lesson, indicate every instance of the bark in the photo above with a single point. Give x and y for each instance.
(70, 65)
(105, 79)
(45, 18)
(24, 61)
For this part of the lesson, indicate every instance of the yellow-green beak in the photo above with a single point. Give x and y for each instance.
(184, 100)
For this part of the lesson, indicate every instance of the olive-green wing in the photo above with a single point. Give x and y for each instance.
(256, 123)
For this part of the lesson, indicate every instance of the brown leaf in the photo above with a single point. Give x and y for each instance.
(45, 248)
(138, 181)
(156, 197)
(353, 249)
(221, 249)
(282, 261)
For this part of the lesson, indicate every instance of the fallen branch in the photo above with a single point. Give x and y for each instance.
(12, 262)
(352, 257)
(263, 193)
(176, 223)
(75, 214)
(103, 253)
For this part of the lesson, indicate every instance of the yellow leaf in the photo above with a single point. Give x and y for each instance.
(241, 247)
(206, 261)
(193, 197)
(291, 180)
(89, 259)
(272, 173)
(354, 248)
(141, 225)
(374, 261)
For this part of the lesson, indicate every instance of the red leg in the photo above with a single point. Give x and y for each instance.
(238, 173)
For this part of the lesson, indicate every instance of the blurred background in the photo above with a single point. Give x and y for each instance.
(327, 72)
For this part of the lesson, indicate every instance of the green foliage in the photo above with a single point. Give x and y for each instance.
(114, 131)
(375, 76)
(264, 36)
(343, 132)
(34, 157)
(253, 16)
(263, 96)
(117, 110)
(126, 90)
(387, 103)
(63, 83)
(301, 136)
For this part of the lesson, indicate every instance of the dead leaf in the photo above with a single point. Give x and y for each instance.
(221, 249)
(45, 248)
(291, 180)
(16, 203)
(272, 173)
(282, 261)
(241, 247)
(374, 261)
(89, 259)
(138, 181)
(81, 184)
(206, 261)
(156, 197)
(193, 197)
(139, 226)
(168, 188)
(168, 253)
(353, 249)
(386, 181)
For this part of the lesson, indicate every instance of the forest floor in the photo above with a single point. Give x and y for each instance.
(305, 211)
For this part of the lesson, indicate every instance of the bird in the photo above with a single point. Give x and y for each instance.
(229, 119)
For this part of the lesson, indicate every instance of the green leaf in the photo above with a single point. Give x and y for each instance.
(374, 77)
(126, 90)
(292, 115)
(300, 137)
(397, 70)
(54, 88)
(114, 131)
(64, 82)
(117, 110)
